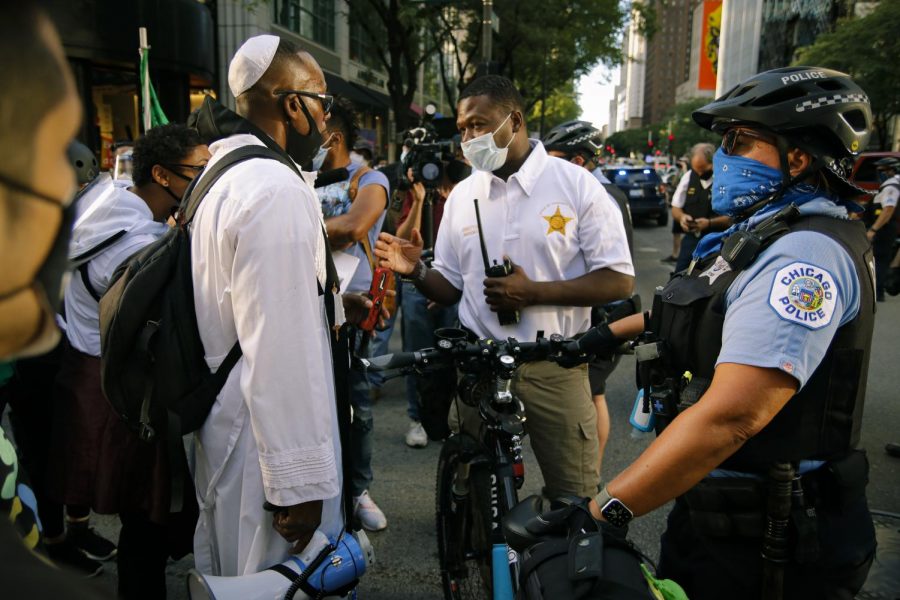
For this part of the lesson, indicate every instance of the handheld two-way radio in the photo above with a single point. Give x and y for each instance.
(506, 317)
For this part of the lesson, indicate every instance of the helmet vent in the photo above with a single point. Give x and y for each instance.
(779, 96)
(856, 119)
(830, 85)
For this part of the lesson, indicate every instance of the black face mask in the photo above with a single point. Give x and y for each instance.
(55, 266)
(706, 175)
(302, 148)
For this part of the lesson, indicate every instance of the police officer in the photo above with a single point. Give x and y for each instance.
(879, 218)
(692, 203)
(755, 369)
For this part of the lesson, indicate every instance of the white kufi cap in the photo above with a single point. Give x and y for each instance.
(250, 62)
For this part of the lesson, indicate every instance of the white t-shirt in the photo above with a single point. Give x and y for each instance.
(680, 194)
(552, 218)
(889, 192)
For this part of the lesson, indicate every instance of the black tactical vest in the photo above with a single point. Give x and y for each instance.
(698, 200)
(822, 420)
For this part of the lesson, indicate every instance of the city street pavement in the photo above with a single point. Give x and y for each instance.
(406, 552)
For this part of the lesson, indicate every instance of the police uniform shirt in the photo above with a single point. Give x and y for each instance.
(680, 194)
(552, 218)
(889, 192)
(783, 310)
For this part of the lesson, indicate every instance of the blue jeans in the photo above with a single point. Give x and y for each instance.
(418, 324)
(689, 242)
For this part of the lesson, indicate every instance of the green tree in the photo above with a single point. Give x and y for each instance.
(561, 106)
(866, 49)
(686, 131)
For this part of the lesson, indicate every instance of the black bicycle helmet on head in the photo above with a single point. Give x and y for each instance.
(573, 137)
(83, 161)
(821, 111)
(888, 162)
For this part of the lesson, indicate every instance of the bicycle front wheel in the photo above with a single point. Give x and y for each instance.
(463, 523)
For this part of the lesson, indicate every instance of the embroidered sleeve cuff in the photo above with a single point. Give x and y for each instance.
(304, 474)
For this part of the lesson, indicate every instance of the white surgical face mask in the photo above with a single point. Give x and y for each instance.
(319, 158)
(482, 152)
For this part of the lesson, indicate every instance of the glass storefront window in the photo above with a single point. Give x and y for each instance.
(313, 19)
(115, 97)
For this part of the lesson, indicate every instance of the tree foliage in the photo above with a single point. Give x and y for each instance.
(542, 45)
(866, 49)
(677, 121)
(561, 106)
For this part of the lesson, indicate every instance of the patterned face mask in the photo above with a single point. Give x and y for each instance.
(740, 182)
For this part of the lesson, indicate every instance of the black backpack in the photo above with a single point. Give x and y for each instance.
(153, 369)
(567, 554)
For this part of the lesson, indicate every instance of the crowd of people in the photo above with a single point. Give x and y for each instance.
(289, 225)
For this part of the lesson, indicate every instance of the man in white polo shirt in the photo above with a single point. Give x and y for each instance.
(566, 240)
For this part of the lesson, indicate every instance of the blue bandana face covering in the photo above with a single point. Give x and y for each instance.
(739, 183)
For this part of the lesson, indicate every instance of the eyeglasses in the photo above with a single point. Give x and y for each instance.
(735, 144)
(196, 169)
(327, 100)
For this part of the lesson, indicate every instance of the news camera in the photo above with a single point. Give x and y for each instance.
(429, 156)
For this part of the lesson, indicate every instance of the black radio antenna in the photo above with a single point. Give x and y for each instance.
(484, 256)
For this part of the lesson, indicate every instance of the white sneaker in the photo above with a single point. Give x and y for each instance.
(416, 436)
(368, 513)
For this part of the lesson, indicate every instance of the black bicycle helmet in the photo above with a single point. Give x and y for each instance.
(574, 137)
(888, 162)
(83, 161)
(821, 111)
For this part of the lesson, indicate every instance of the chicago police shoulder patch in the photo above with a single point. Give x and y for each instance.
(804, 294)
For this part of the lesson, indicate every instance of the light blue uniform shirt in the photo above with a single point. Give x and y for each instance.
(783, 310)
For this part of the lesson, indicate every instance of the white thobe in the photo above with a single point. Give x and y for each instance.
(257, 248)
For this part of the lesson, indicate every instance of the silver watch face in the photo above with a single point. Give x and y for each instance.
(616, 513)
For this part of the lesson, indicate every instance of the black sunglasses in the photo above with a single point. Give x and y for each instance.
(327, 100)
(732, 143)
(173, 166)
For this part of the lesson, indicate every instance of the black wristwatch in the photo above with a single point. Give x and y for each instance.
(613, 510)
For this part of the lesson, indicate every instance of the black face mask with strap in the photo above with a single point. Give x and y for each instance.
(56, 264)
(302, 148)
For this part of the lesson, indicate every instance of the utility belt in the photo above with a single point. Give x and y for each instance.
(736, 507)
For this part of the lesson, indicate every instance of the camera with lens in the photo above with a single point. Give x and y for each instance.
(428, 157)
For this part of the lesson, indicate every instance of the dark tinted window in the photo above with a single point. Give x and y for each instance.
(633, 176)
(867, 171)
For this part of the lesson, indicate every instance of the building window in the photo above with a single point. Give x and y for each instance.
(362, 46)
(313, 19)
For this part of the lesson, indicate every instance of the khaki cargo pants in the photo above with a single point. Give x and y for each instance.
(561, 424)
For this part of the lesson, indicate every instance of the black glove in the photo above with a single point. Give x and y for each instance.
(600, 342)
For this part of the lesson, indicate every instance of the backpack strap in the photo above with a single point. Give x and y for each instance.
(201, 184)
(86, 280)
(352, 190)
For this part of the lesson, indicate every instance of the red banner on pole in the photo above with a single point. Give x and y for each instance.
(709, 43)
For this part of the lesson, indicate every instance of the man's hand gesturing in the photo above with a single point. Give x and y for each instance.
(398, 254)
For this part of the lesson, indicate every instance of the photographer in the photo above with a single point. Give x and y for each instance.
(567, 251)
(420, 316)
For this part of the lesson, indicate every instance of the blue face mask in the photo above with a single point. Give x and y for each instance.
(739, 183)
(882, 176)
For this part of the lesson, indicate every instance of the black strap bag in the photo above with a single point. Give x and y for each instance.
(574, 557)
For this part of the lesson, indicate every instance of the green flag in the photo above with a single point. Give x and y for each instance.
(148, 94)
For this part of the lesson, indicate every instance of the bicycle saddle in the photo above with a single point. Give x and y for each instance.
(529, 522)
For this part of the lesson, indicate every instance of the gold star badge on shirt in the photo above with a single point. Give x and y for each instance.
(557, 222)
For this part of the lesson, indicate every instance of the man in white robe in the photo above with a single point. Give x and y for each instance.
(258, 248)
